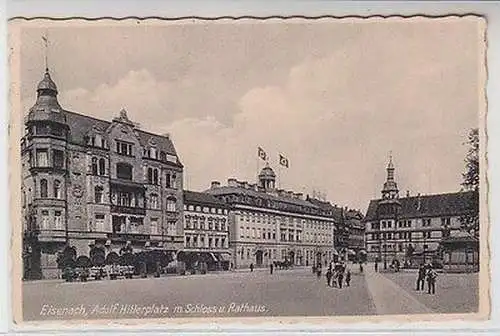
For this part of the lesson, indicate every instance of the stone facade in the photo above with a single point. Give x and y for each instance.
(89, 182)
(270, 225)
(206, 225)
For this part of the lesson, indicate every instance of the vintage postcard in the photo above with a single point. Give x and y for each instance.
(292, 169)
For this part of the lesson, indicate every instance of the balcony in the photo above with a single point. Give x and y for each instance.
(128, 210)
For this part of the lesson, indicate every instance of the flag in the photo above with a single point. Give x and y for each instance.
(261, 153)
(284, 161)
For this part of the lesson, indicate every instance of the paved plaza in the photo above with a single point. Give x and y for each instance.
(295, 292)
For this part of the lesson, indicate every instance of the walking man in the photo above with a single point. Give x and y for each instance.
(271, 266)
(251, 267)
(421, 277)
(340, 278)
(376, 266)
(329, 276)
(431, 281)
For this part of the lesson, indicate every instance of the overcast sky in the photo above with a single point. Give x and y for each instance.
(335, 97)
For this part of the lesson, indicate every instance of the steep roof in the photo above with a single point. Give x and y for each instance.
(81, 124)
(450, 204)
(201, 198)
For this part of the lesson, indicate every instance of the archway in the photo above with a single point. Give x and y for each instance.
(259, 257)
(291, 257)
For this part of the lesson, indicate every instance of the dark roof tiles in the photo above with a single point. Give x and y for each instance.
(201, 198)
(450, 204)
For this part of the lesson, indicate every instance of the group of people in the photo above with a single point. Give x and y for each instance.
(426, 273)
(336, 274)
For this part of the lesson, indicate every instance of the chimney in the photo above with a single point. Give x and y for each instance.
(290, 194)
(246, 185)
(232, 182)
(215, 184)
(300, 195)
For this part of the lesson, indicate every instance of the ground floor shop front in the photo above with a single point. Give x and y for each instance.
(262, 255)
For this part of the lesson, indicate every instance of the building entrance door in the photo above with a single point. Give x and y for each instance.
(258, 258)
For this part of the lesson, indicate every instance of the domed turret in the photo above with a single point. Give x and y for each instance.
(47, 84)
(47, 107)
(267, 177)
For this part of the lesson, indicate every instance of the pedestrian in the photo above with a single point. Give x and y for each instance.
(272, 267)
(421, 277)
(251, 267)
(348, 278)
(361, 268)
(431, 281)
(318, 271)
(340, 278)
(376, 266)
(329, 276)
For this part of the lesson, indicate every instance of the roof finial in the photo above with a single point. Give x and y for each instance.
(390, 164)
(45, 39)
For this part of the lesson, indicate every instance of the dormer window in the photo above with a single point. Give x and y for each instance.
(153, 153)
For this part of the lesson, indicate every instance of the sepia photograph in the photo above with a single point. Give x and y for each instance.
(168, 169)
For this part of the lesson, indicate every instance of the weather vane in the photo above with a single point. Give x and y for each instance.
(45, 39)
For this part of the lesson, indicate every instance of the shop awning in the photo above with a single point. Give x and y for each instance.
(224, 257)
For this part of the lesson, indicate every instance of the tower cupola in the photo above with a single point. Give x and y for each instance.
(267, 177)
(390, 189)
(47, 106)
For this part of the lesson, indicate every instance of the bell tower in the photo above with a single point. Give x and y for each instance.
(390, 189)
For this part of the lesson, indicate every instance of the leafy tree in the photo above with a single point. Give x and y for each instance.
(470, 220)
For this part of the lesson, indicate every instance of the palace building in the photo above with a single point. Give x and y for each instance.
(91, 183)
(206, 230)
(411, 229)
(272, 225)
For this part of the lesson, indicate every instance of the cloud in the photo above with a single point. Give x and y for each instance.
(337, 118)
(335, 113)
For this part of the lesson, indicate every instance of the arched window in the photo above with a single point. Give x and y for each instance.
(150, 175)
(43, 188)
(124, 171)
(57, 189)
(153, 153)
(102, 166)
(99, 193)
(94, 166)
(173, 182)
(163, 156)
(171, 204)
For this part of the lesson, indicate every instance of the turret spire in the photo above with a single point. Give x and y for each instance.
(390, 189)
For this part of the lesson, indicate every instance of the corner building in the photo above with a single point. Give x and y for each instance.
(411, 229)
(206, 231)
(92, 183)
(269, 224)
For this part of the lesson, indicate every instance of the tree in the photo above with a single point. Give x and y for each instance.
(470, 220)
(471, 174)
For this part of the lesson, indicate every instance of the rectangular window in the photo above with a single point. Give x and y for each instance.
(99, 222)
(58, 220)
(58, 158)
(154, 226)
(124, 148)
(242, 232)
(42, 158)
(154, 201)
(45, 219)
